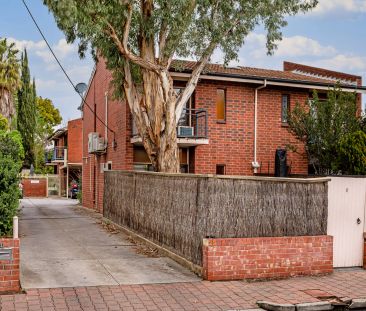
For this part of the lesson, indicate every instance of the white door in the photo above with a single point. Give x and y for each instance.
(346, 219)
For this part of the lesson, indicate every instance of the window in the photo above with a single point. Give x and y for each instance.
(220, 169)
(285, 108)
(221, 105)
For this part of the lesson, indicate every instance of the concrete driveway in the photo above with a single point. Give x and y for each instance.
(62, 245)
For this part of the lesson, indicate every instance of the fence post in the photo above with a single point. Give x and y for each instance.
(15, 227)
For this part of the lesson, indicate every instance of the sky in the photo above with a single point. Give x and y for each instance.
(332, 36)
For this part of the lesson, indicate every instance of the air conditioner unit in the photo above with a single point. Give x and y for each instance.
(92, 138)
(185, 131)
(101, 144)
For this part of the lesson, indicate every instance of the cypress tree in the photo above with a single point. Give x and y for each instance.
(26, 120)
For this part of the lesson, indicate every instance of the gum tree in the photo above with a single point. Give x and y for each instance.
(138, 40)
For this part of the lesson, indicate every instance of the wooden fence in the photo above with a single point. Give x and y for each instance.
(179, 210)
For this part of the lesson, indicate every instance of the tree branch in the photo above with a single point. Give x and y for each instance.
(171, 38)
(196, 72)
(123, 45)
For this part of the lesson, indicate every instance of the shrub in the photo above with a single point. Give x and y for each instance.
(352, 153)
(80, 193)
(3, 123)
(11, 156)
(322, 124)
(9, 193)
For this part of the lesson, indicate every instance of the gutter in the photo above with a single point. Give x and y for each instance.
(255, 164)
(184, 75)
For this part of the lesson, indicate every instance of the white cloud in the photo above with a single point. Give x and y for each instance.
(300, 46)
(28, 44)
(62, 49)
(354, 6)
(50, 80)
(341, 62)
(295, 46)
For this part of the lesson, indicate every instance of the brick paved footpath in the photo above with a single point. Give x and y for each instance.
(188, 296)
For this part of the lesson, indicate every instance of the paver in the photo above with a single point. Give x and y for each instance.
(202, 295)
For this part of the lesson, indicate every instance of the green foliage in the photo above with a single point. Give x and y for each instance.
(11, 145)
(11, 156)
(9, 78)
(322, 125)
(26, 114)
(9, 66)
(139, 39)
(9, 193)
(352, 153)
(4, 125)
(178, 28)
(80, 193)
(47, 118)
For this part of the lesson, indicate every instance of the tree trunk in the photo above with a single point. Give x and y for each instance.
(7, 108)
(153, 111)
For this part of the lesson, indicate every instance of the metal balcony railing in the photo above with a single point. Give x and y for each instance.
(58, 154)
(192, 124)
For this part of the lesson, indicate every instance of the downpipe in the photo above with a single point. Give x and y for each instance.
(255, 164)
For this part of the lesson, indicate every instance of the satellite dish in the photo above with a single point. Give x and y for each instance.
(81, 88)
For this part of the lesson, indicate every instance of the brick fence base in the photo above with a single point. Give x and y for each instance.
(9, 269)
(262, 258)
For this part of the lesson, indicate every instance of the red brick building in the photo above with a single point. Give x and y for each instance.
(233, 124)
(66, 154)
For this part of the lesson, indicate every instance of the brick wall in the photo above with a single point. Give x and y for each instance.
(232, 143)
(74, 141)
(9, 269)
(34, 187)
(119, 121)
(262, 258)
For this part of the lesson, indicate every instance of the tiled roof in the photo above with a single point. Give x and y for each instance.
(249, 72)
(57, 133)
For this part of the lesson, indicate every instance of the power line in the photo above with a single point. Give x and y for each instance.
(62, 68)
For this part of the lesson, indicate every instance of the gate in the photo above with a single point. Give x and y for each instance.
(346, 219)
(53, 185)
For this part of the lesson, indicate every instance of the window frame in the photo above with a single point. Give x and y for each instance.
(285, 122)
(223, 121)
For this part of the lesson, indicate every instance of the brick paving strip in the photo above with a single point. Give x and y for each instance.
(234, 295)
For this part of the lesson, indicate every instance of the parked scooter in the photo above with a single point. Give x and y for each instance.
(74, 190)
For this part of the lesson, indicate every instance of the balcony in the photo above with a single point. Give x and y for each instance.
(191, 129)
(56, 155)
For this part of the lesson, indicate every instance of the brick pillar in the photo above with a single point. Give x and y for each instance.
(9, 268)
